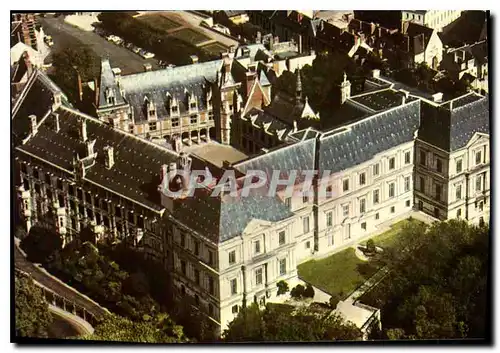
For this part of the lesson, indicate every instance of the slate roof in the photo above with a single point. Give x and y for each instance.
(381, 100)
(469, 28)
(273, 125)
(452, 124)
(354, 144)
(136, 172)
(420, 36)
(194, 79)
(108, 82)
(36, 99)
(256, 51)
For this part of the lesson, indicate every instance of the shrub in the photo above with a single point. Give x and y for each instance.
(309, 291)
(334, 300)
(298, 291)
(282, 287)
(370, 246)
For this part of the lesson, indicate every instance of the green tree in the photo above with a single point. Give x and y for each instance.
(298, 291)
(282, 287)
(41, 244)
(248, 326)
(158, 329)
(32, 311)
(309, 291)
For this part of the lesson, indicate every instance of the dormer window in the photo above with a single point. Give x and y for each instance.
(192, 105)
(174, 110)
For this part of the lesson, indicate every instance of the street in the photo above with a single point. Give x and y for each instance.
(64, 34)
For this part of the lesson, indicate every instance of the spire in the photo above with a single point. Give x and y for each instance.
(298, 88)
(345, 77)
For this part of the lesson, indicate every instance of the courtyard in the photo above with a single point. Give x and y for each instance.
(341, 273)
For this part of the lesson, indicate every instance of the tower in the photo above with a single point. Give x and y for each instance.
(298, 88)
(345, 89)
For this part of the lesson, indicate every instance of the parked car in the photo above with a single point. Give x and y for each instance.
(136, 50)
(146, 54)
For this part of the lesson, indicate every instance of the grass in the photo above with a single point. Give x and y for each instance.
(214, 48)
(389, 239)
(190, 35)
(339, 274)
(159, 22)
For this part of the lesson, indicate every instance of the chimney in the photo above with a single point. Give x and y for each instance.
(83, 130)
(276, 40)
(57, 100)
(312, 52)
(226, 164)
(27, 62)
(437, 97)
(376, 73)
(80, 88)
(345, 90)
(271, 43)
(300, 44)
(90, 147)
(34, 128)
(172, 171)
(109, 157)
(96, 87)
(258, 40)
(177, 144)
(194, 59)
(56, 120)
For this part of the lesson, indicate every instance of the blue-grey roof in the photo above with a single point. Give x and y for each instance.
(354, 144)
(262, 118)
(108, 82)
(263, 79)
(155, 85)
(452, 124)
(254, 49)
(468, 119)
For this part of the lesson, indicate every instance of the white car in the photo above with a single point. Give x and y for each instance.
(147, 55)
(136, 50)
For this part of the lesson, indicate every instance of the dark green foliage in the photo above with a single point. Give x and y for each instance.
(334, 300)
(32, 311)
(41, 244)
(282, 287)
(370, 246)
(309, 291)
(298, 291)
(438, 285)
(283, 323)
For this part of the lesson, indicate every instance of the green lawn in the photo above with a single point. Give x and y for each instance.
(214, 48)
(389, 239)
(190, 36)
(343, 272)
(159, 22)
(338, 274)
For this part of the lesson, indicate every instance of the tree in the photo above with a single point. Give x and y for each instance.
(41, 244)
(248, 326)
(32, 311)
(158, 329)
(437, 287)
(370, 246)
(282, 287)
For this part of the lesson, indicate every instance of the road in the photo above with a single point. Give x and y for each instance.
(48, 281)
(64, 34)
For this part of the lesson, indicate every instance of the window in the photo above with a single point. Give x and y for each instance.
(210, 257)
(258, 276)
(362, 205)
(174, 109)
(422, 184)
(192, 105)
(376, 169)
(481, 205)
(329, 219)
(345, 185)
(282, 267)
(35, 173)
(479, 183)
(256, 247)
(234, 286)
(232, 257)
(422, 157)
(407, 183)
(305, 199)
(478, 157)
(377, 216)
(391, 190)
(362, 179)
(459, 165)
(376, 196)
(363, 225)
(345, 210)
(282, 239)
(211, 285)
(305, 224)
(210, 309)
(458, 192)
(308, 244)
(210, 116)
(175, 122)
(234, 309)
(183, 267)
(197, 276)
(194, 119)
(393, 209)
(197, 300)
(329, 190)
(183, 240)
(439, 166)
(196, 247)
(152, 126)
(408, 203)
(288, 202)
(438, 192)
(459, 213)
(407, 157)
(392, 163)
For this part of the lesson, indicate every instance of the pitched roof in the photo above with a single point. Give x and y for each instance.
(420, 36)
(452, 124)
